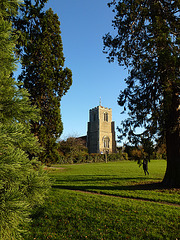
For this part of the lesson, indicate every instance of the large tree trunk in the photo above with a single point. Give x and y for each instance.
(172, 175)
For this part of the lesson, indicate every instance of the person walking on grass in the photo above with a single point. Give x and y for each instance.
(145, 166)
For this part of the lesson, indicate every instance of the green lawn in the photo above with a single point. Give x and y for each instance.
(128, 204)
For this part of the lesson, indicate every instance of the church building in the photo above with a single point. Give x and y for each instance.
(101, 131)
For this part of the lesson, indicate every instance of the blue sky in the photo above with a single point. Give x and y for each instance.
(83, 24)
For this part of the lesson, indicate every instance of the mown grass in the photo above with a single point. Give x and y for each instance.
(73, 214)
(123, 179)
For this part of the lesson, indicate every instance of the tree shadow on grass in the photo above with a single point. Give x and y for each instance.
(147, 186)
(101, 178)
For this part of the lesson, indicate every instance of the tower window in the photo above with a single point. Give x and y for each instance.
(106, 142)
(106, 117)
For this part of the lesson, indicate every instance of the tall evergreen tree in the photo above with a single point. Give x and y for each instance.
(147, 41)
(45, 79)
(23, 184)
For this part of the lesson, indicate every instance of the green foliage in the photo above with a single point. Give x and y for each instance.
(117, 157)
(29, 11)
(147, 42)
(137, 154)
(43, 74)
(23, 183)
(73, 150)
(161, 151)
(145, 150)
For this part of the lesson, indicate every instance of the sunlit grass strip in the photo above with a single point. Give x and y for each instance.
(123, 179)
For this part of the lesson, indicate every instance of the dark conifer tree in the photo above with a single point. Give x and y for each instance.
(147, 41)
(45, 79)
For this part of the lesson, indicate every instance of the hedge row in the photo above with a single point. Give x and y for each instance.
(93, 157)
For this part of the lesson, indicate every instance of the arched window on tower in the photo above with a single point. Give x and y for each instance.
(106, 117)
(106, 141)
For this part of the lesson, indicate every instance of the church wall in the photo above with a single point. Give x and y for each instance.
(105, 129)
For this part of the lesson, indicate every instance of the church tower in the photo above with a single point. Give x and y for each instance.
(101, 131)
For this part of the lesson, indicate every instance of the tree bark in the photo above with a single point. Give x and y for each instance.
(172, 175)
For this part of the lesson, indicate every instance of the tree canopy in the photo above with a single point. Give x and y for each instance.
(44, 75)
(147, 42)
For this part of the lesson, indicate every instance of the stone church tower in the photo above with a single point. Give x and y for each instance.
(101, 131)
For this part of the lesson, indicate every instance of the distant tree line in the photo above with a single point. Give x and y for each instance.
(73, 150)
(137, 153)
